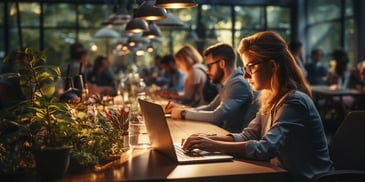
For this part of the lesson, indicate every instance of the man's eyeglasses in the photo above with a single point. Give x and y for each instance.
(249, 68)
(209, 65)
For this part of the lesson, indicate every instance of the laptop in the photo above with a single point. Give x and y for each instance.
(161, 140)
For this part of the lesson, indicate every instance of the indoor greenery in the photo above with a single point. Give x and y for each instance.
(96, 130)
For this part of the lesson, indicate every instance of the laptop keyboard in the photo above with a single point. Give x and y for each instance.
(181, 154)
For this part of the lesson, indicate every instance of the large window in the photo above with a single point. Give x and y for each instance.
(231, 24)
(30, 22)
(55, 26)
(331, 26)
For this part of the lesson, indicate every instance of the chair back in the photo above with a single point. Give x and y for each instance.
(347, 149)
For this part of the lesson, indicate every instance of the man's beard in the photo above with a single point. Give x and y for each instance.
(218, 76)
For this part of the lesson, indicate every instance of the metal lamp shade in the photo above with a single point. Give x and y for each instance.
(106, 33)
(171, 21)
(147, 12)
(174, 4)
(136, 26)
(119, 18)
(153, 32)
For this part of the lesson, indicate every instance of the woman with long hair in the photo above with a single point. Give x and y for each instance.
(287, 130)
(189, 61)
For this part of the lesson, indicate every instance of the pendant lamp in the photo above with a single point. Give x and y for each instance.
(172, 21)
(154, 31)
(136, 26)
(174, 4)
(146, 11)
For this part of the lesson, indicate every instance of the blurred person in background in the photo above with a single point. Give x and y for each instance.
(100, 79)
(317, 73)
(156, 74)
(73, 72)
(338, 75)
(176, 77)
(10, 89)
(357, 77)
(296, 48)
(189, 61)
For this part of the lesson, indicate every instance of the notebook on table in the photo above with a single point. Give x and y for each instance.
(161, 140)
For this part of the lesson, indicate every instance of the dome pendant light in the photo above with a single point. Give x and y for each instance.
(136, 26)
(147, 12)
(174, 4)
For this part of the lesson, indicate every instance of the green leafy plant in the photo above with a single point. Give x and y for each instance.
(96, 131)
(102, 133)
(48, 122)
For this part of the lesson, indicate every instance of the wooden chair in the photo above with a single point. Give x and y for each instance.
(347, 151)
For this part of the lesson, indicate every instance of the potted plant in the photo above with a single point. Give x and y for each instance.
(96, 131)
(103, 134)
(48, 123)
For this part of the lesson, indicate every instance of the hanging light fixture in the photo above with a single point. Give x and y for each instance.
(106, 34)
(120, 15)
(153, 32)
(150, 48)
(136, 26)
(147, 12)
(171, 21)
(174, 4)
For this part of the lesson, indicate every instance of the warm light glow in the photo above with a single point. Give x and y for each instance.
(94, 48)
(150, 49)
(140, 53)
(125, 48)
(119, 46)
(132, 44)
(137, 30)
(147, 11)
(152, 18)
(176, 5)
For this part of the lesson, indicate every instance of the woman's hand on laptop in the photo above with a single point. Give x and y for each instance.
(198, 141)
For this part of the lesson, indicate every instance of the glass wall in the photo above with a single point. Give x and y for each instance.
(231, 24)
(331, 26)
(55, 26)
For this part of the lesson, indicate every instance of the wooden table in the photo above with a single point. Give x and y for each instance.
(330, 103)
(328, 95)
(325, 91)
(146, 164)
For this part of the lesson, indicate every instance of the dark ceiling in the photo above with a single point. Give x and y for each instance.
(216, 2)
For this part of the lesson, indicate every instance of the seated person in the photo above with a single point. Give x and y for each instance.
(317, 72)
(100, 79)
(287, 130)
(357, 82)
(357, 77)
(189, 61)
(177, 78)
(10, 89)
(232, 108)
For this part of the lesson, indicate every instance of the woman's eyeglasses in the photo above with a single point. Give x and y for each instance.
(249, 68)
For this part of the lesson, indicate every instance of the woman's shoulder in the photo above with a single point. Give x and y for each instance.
(199, 70)
(199, 66)
(297, 96)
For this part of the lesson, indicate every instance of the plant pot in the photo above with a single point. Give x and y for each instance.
(53, 162)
